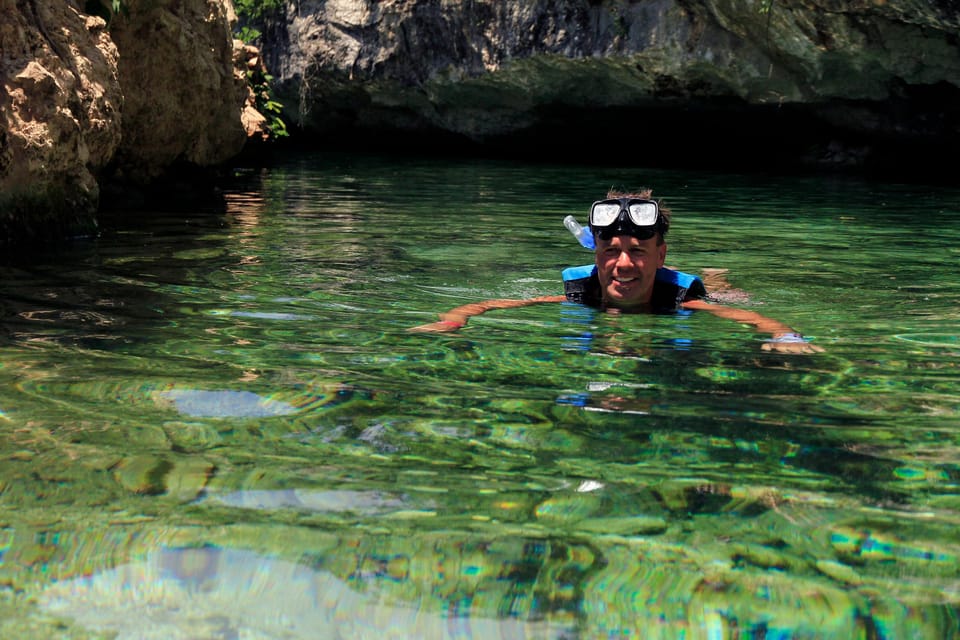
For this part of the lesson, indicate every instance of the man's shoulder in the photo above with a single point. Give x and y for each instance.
(581, 285)
(689, 283)
(674, 287)
(579, 273)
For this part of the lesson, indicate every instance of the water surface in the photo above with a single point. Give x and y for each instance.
(217, 424)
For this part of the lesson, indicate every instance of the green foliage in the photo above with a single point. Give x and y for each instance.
(266, 105)
(255, 10)
(248, 34)
(253, 16)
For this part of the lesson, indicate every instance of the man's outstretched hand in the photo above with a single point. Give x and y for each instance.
(792, 343)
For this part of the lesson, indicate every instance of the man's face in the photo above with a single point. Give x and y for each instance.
(627, 268)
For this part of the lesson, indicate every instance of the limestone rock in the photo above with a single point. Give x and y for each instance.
(183, 96)
(83, 102)
(60, 107)
(488, 70)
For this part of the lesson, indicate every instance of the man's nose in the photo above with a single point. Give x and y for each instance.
(623, 260)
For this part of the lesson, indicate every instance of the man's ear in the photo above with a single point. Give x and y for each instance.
(662, 249)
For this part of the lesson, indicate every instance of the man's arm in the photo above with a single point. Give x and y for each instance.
(456, 318)
(783, 338)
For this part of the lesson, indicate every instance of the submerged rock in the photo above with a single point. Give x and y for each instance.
(182, 478)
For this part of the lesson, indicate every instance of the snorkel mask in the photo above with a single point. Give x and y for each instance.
(625, 217)
(635, 217)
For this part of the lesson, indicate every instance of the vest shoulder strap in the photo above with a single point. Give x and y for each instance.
(679, 278)
(577, 273)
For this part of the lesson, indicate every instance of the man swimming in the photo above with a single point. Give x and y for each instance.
(628, 275)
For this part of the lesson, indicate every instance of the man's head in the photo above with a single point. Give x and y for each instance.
(628, 231)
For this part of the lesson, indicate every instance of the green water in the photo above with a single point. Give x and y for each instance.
(217, 425)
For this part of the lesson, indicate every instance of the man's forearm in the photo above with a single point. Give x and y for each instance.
(455, 318)
(783, 338)
(762, 323)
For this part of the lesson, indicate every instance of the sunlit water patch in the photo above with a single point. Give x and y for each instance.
(222, 593)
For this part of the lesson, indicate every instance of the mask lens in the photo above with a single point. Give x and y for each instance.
(603, 214)
(643, 214)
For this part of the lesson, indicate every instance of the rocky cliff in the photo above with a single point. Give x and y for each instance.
(836, 82)
(119, 97)
(184, 96)
(89, 95)
(59, 115)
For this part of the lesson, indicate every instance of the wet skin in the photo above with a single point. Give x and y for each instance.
(627, 268)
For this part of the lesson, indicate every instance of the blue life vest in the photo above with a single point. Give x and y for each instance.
(581, 285)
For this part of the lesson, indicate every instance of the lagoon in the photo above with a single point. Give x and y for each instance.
(216, 424)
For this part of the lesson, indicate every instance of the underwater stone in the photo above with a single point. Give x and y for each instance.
(625, 526)
(143, 474)
(839, 572)
(187, 478)
(567, 509)
(181, 478)
(192, 436)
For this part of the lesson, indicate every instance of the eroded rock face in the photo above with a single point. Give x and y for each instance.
(487, 70)
(183, 94)
(60, 108)
(84, 102)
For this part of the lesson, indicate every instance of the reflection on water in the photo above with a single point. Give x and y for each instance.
(225, 404)
(217, 425)
(362, 502)
(221, 593)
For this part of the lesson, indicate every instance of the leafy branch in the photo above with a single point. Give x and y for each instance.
(266, 105)
(253, 17)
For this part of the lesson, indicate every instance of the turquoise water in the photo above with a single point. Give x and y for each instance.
(217, 424)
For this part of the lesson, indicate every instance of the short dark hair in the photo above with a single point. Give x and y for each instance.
(644, 193)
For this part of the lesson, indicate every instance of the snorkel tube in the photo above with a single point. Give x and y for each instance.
(583, 234)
